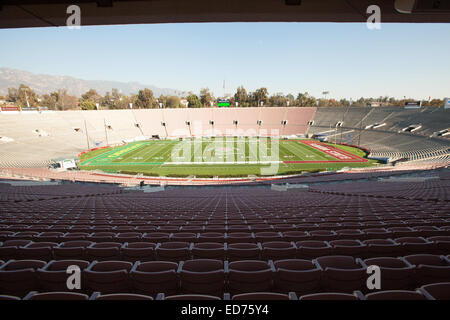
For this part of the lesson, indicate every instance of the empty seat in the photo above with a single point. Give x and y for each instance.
(49, 237)
(56, 296)
(381, 248)
(436, 291)
(240, 237)
(268, 236)
(324, 235)
(18, 277)
(202, 276)
(53, 276)
(24, 235)
(296, 275)
(128, 237)
(261, 296)
(376, 233)
(173, 251)
(5, 235)
(427, 231)
(413, 245)
(108, 276)
(120, 296)
(243, 251)
(283, 227)
(396, 274)
(256, 228)
(429, 268)
(184, 237)
(312, 249)
(101, 237)
(398, 232)
(74, 236)
(138, 251)
(441, 244)
(249, 276)
(295, 235)
(211, 237)
(71, 250)
(353, 248)
(342, 273)
(195, 297)
(153, 277)
(156, 237)
(103, 251)
(278, 250)
(209, 250)
(38, 250)
(329, 296)
(350, 234)
(395, 295)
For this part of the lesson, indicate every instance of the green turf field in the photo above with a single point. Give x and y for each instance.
(231, 157)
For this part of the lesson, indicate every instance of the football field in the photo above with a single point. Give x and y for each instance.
(224, 157)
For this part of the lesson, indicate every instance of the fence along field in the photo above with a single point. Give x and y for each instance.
(224, 157)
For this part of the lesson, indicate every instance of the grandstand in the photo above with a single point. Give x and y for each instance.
(304, 237)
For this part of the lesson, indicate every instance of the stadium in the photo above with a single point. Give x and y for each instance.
(226, 203)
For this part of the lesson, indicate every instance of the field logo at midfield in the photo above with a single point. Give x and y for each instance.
(122, 151)
(229, 149)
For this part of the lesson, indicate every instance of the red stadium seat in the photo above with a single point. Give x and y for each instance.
(71, 250)
(209, 250)
(312, 249)
(108, 276)
(436, 291)
(395, 295)
(202, 276)
(173, 251)
(278, 250)
(342, 273)
(429, 268)
(150, 278)
(296, 275)
(249, 276)
(18, 277)
(396, 274)
(138, 251)
(244, 251)
(53, 276)
(56, 296)
(103, 251)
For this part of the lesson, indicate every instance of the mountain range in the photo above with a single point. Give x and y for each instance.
(44, 83)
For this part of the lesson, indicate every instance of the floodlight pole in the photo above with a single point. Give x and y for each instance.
(87, 136)
(106, 132)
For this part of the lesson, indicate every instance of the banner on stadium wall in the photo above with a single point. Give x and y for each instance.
(10, 109)
(447, 103)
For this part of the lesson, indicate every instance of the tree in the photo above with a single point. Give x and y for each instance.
(92, 95)
(261, 95)
(278, 100)
(13, 95)
(206, 97)
(145, 99)
(23, 96)
(87, 105)
(305, 100)
(174, 102)
(194, 101)
(241, 97)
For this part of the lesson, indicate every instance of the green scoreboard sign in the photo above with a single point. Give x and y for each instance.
(223, 103)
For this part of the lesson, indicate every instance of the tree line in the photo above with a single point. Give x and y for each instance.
(25, 97)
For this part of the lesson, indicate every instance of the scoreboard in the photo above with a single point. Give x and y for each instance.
(223, 103)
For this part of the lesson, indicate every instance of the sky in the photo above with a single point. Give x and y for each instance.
(346, 59)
